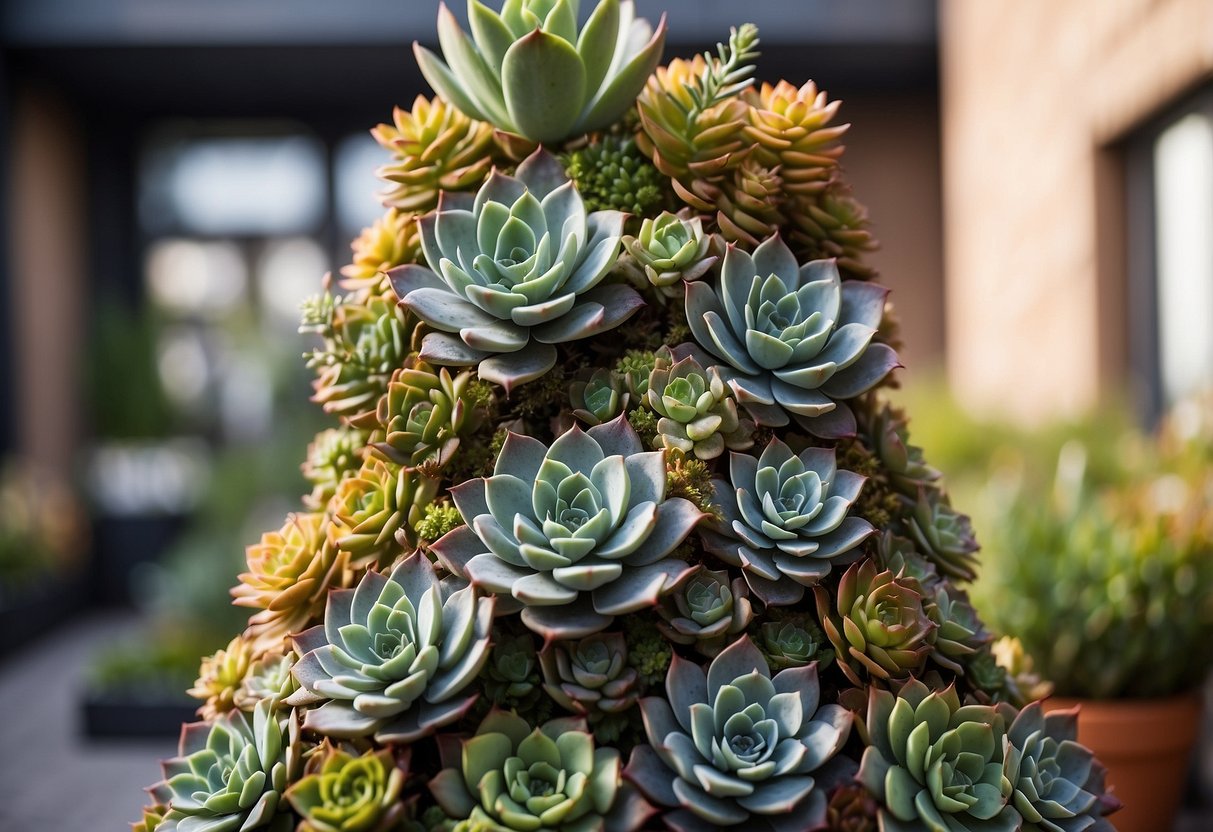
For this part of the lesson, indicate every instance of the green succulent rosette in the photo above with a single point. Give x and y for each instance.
(670, 249)
(423, 416)
(528, 70)
(600, 398)
(705, 609)
(514, 272)
(592, 677)
(785, 519)
(887, 433)
(878, 625)
(332, 456)
(395, 657)
(374, 512)
(230, 774)
(943, 535)
(698, 412)
(345, 792)
(363, 343)
(936, 765)
(574, 534)
(737, 747)
(791, 339)
(268, 679)
(510, 777)
(512, 673)
(793, 640)
(960, 632)
(1058, 785)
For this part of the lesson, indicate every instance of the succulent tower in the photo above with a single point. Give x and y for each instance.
(614, 529)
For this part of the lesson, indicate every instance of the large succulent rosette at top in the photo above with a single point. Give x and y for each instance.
(606, 487)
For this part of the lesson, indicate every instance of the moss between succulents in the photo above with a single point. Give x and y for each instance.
(612, 529)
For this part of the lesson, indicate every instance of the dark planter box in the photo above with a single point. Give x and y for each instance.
(119, 715)
(123, 544)
(31, 610)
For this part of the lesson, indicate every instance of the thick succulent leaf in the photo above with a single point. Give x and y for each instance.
(625, 85)
(515, 368)
(466, 64)
(339, 719)
(490, 33)
(674, 522)
(407, 278)
(838, 423)
(617, 437)
(542, 174)
(877, 361)
(596, 44)
(520, 456)
(863, 303)
(449, 350)
(738, 659)
(777, 796)
(544, 84)
(571, 621)
(444, 310)
(639, 587)
(778, 593)
(600, 309)
(444, 82)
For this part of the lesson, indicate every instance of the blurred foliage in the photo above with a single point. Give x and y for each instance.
(125, 395)
(153, 667)
(42, 530)
(1097, 540)
(185, 595)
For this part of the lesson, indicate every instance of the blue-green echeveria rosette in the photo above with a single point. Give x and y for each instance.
(936, 765)
(513, 272)
(1058, 785)
(791, 339)
(510, 776)
(230, 774)
(528, 70)
(737, 747)
(396, 657)
(785, 519)
(574, 534)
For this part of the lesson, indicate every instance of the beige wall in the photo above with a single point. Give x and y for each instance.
(1035, 93)
(47, 241)
(892, 161)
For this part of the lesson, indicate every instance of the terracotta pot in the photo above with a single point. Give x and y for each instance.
(1147, 746)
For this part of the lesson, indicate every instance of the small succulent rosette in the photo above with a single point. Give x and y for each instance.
(512, 777)
(734, 746)
(785, 519)
(793, 340)
(396, 657)
(519, 269)
(231, 773)
(573, 534)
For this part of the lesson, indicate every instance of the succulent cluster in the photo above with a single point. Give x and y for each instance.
(613, 530)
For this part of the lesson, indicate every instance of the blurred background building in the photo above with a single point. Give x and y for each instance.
(180, 175)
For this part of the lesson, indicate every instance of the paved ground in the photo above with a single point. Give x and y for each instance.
(52, 779)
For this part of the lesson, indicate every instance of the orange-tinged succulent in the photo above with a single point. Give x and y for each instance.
(289, 574)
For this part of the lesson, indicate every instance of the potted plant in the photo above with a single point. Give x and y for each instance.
(1110, 592)
(614, 528)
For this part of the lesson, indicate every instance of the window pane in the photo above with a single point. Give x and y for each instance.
(358, 205)
(190, 277)
(234, 185)
(1183, 160)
